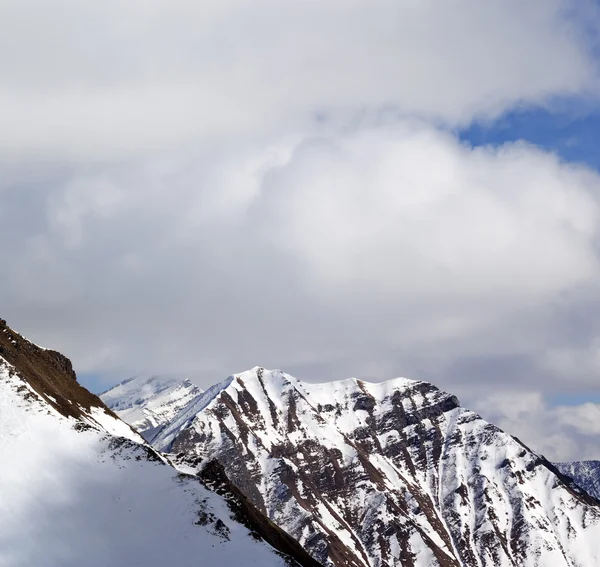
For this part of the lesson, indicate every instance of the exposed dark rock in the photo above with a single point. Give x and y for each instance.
(49, 373)
(213, 476)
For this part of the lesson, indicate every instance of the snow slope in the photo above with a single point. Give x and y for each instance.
(79, 488)
(585, 473)
(70, 498)
(394, 473)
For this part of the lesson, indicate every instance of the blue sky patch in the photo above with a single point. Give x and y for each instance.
(575, 137)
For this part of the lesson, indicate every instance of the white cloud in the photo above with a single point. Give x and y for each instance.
(398, 212)
(561, 433)
(92, 80)
(387, 250)
(208, 186)
(585, 418)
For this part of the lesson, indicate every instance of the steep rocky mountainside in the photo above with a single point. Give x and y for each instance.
(394, 473)
(79, 487)
(586, 474)
(49, 374)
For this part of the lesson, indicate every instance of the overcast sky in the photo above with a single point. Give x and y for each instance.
(202, 187)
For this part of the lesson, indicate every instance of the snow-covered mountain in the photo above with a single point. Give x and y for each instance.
(585, 473)
(393, 473)
(148, 403)
(78, 487)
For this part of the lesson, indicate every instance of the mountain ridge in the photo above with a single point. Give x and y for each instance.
(49, 373)
(81, 487)
(373, 474)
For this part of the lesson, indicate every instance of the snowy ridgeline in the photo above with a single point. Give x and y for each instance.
(395, 473)
(73, 493)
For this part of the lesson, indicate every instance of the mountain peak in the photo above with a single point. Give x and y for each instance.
(369, 474)
(148, 403)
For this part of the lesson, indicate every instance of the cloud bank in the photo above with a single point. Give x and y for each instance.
(562, 433)
(203, 188)
(96, 80)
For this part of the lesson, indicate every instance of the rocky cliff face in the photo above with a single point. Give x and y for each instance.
(49, 374)
(80, 487)
(586, 474)
(395, 473)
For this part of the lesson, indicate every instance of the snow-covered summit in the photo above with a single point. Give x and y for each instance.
(380, 474)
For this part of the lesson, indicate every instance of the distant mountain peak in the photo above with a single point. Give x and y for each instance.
(586, 474)
(148, 403)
